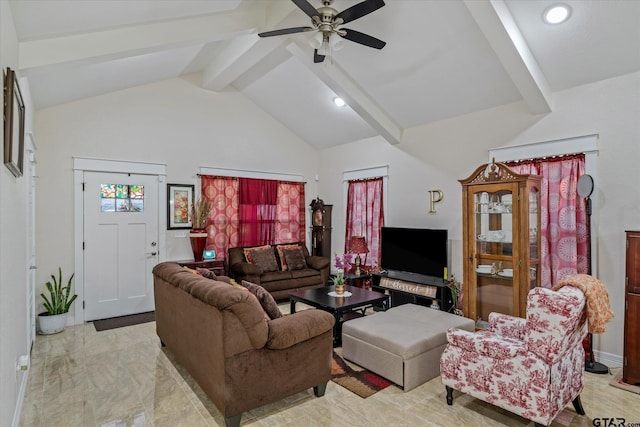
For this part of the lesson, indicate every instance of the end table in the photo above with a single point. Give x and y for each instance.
(218, 265)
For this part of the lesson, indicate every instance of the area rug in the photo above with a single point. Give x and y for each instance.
(616, 381)
(361, 382)
(119, 322)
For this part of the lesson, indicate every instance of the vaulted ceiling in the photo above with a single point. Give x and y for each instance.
(443, 58)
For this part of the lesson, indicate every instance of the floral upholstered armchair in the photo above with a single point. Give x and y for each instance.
(532, 367)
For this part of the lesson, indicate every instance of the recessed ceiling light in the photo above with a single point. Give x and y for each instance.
(556, 13)
(339, 101)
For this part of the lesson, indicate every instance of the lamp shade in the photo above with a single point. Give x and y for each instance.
(359, 245)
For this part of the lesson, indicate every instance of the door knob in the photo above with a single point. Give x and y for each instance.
(152, 253)
(153, 243)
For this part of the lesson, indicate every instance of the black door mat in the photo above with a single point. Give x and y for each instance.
(119, 322)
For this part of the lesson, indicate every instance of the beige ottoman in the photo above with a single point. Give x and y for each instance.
(402, 344)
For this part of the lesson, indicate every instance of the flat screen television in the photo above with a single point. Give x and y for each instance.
(414, 250)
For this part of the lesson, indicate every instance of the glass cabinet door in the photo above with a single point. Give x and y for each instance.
(493, 230)
(534, 238)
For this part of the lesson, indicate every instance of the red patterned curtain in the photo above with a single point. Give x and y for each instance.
(290, 213)
(272, 212)
(563, 217)
(222, 224)
(365, 215)
(257, 214)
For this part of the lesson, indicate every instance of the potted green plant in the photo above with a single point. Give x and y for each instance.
(57, 303)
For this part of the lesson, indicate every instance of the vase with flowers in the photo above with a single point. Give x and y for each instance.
(342, 262)
(200, 210)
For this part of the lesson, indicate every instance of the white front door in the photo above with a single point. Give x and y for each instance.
(120, 243)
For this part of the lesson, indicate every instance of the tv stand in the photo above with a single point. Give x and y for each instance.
(405, 287)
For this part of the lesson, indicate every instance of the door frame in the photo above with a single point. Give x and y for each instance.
(85, 164)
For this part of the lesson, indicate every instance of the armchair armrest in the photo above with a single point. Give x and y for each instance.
(507, 326)
(287, 331)
(317, 262)
(486, 343)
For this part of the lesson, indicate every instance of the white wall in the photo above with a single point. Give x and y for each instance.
(13, 253)
(173, 122)
(436, 156)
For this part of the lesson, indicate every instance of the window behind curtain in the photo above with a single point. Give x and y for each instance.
(563, 218)
(365, 215)
(266, 219)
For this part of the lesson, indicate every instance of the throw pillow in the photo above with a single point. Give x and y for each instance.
(295, 258)
(248, 252)
(265, 258)
(279, 249)
(205, 272)
(267, 302)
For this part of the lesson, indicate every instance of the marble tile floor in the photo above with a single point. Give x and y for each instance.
(122, 377)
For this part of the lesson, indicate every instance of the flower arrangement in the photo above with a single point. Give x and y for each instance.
(200, 210)
(342, 263)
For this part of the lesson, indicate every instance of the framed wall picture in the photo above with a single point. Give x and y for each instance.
(179, 201)
(13, 124)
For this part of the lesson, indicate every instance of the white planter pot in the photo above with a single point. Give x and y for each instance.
(52, 324)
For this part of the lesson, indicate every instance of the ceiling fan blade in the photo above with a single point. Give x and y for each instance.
(359, 10)
(367, 40)
(317, 58)
(306, 7)
(285, 31)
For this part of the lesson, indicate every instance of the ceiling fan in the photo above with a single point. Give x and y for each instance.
(326, 21)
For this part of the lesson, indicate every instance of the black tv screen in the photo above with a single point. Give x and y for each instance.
(414, 250)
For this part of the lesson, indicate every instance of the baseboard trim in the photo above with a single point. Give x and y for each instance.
(608, 359)
(23, 389)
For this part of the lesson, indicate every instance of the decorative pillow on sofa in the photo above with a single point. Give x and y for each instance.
(266, 300)
(265, 258)
(248, 252)
(295, 258)
(205, 272)
(280, 249)
(262, 256)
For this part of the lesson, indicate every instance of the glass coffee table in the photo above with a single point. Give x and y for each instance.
(343, 308)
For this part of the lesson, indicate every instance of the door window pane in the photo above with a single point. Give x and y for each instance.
(121, 198)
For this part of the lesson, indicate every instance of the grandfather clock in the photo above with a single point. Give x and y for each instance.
(320, 228)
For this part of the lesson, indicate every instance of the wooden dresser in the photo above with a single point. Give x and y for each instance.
(631, 361)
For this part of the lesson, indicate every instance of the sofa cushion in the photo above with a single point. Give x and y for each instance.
(265, 258)
(294, 258)
(267, 302)
(280, 249)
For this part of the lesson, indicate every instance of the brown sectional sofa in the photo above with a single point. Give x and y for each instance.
(241, 360)
(280, 282)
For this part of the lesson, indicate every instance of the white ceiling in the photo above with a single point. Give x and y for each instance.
(443, 58)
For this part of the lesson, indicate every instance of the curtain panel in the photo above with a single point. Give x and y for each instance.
(365, 216)
(563, 216)
(257, 211)
(248, 212)
(223, 221)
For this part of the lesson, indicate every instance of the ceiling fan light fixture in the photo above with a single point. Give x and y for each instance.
(556, 13)
(339, 101)
(316, 40)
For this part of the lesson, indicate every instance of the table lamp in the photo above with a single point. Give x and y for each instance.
(358, 246)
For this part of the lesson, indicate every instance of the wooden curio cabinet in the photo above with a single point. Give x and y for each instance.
(320, 228)
(501, 241)
(631, 359)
